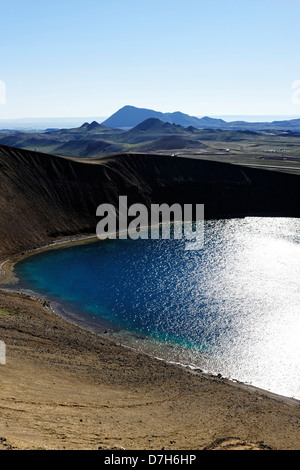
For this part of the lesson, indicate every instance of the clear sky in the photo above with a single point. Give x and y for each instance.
(89, 58)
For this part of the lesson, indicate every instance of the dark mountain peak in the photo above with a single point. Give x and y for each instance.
(150, 123)
(192, 129)
(93, 125)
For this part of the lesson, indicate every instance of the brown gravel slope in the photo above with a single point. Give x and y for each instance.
(67, 388)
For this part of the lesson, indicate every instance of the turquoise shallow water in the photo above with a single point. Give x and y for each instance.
(231, 308)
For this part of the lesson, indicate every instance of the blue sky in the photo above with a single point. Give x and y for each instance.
(89, 58)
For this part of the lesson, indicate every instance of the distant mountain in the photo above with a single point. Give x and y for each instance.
(151, 129)
(40, 124)
(130, 116)
(94, 126)
(151, 124)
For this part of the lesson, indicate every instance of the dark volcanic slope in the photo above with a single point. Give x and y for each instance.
(44, 196)
(172, 142)
(87, 148)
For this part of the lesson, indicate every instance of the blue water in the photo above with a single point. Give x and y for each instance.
(231, 308)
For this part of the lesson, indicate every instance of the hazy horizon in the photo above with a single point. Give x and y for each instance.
(74, 121)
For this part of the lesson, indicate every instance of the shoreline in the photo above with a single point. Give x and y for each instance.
(6, 271)
(65, 387)
(7, 276)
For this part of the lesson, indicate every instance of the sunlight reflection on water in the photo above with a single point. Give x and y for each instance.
(232, 308)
